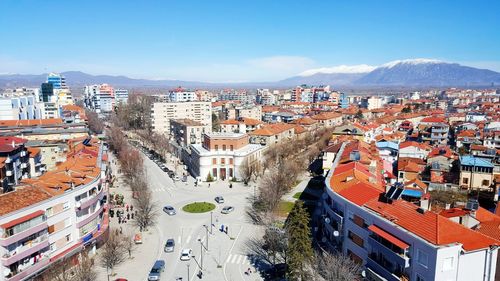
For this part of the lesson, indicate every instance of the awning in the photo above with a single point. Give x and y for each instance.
(22, 219)
(387, 236)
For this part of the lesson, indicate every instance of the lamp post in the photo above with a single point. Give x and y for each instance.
(211, 223)
(201, 254)
(188, 271)
(206, 228)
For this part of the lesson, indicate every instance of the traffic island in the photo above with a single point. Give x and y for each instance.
(198, 207)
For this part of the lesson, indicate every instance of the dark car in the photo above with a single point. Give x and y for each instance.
(156, 271)
(169, 245)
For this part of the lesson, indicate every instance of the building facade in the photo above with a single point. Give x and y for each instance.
(163, 112)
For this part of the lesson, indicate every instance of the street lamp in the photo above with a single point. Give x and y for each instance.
(206, 228)
(211, 224)
(188, 271)
(201, 254)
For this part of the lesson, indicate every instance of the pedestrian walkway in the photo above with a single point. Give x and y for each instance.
(240, 259)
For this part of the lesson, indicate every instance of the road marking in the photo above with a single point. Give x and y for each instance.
(239, 259)
(179, 240)
(233, 260)
(246, 260)
(228, 258)
(188, 239)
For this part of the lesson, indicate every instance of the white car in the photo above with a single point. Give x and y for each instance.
(186, 254)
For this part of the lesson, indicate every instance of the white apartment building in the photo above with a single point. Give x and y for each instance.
(181, 95)
(163, 112)
(374, 103)
(48, 219)
(394, 239)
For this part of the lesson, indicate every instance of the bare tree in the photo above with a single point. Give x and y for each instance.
(131, 161)
(85, 270)
(113, 252)
(335, 267)
(247, 170)
(95, 124)
(58, 271)
(116, 139)
(128, 244)
(146, 209)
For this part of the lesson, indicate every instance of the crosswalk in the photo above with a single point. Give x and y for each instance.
(188, 239)
(160, 189)
(240, 259)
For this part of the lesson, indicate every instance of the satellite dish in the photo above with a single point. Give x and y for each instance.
(336, 233)
(327, 220)
(323, 239)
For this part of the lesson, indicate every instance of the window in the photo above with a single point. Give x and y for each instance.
(231, 147)
(356, 239)
(223, 161)
(214, 161)
(68, 238)
(53, 247)
(214, 172)
(66, 205)
(448, 264)
(51, 229)
(224, 147)
(465, 181)
(231, 161)
(216, 147)
(359, 221)
(49, 212)
(422, 258)
(486, 183)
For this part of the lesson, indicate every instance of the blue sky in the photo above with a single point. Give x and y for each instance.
(222, 41)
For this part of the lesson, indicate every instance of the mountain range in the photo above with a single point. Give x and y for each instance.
(416, 73)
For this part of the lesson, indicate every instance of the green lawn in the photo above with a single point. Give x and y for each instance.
(284, 208)
(297, 195)
(198, 207)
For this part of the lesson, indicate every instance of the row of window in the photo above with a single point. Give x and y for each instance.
(222, 161)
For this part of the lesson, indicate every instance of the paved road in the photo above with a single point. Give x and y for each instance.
(225, 250)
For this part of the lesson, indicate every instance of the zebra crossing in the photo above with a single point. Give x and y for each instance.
(160, 189)
(240, 259)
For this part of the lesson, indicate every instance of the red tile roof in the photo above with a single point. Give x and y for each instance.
(420, 145)
(360, 193)
(430, 226)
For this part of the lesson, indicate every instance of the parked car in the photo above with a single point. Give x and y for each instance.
(138, 238)
(227, 209)
(219, 199)
(121, 279)
(171, 174)
(169, 210)
(169, 245)
(186, 254)
(156, 271)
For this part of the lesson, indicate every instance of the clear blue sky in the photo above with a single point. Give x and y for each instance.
(241, 40)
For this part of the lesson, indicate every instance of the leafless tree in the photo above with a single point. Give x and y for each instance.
(95, 124)
(116, 139)
(247, 170)
(58, 271)
(335, 267)
(271, 248)
(146, 209)
(129, 244)
(131, 161)
(113, 252)
(85, 270)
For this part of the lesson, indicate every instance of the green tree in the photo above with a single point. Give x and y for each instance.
(300, 252)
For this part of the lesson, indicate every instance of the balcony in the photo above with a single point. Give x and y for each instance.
(23, 153)
(89, 201)
(22, 275)
(90, 217)
(23, 234)
(25, 251)
(384, 269)
(386, 250)
(335, 215)
(24, 165)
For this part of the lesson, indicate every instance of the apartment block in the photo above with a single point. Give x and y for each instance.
(163, 112)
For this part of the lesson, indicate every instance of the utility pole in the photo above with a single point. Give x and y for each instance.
(201, 254)
(188, 271)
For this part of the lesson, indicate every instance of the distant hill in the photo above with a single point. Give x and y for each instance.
(404, 73)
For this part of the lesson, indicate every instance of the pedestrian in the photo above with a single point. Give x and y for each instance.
(119, 220)
(222, 228)
(208, 185)
(132, 215)
(131, 208)
(126, 208)
(226, 229)
(230, 185)
(128, 216)
(121, 230)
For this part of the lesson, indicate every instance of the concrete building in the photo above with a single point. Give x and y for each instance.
(121, 96)
(14, 159)
(221, 156)
(272, 134)
(103, 98)
(394, 239)
(56, 216)
(476, 173)
(185, 132)
(244, 125)
(182, 95)
(163, 112)
(14, 106)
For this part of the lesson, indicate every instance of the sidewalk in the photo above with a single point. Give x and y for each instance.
(137, 267)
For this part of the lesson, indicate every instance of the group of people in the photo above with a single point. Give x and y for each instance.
(122, 218)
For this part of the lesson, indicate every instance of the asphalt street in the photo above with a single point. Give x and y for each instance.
(223, 256)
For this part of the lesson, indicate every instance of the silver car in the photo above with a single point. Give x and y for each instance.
(169, 210)
(227, 209)
(169, 245)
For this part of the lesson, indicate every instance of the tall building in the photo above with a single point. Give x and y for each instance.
(21, 104)
(121, 96)
(47, 91)
(57, 80)
(163, 112)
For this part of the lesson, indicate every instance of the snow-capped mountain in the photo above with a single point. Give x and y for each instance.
(423, 72)
(408, 73)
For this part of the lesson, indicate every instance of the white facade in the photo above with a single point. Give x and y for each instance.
(374, 103)
(162, 112)
(182, 96)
